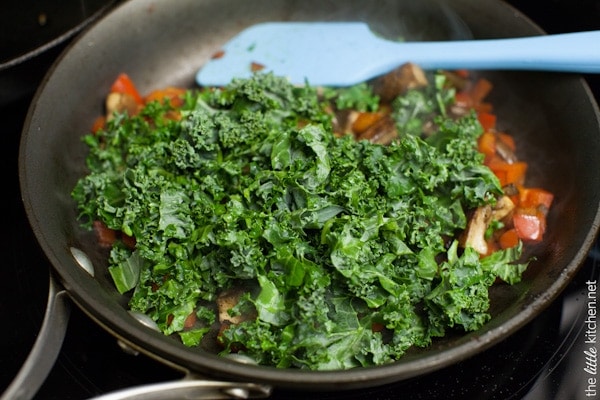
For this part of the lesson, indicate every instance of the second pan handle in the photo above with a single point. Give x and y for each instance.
(46, 348)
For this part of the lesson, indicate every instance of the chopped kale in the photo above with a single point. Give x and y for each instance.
(251, 186)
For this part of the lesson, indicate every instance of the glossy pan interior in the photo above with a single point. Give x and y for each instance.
(159, 43)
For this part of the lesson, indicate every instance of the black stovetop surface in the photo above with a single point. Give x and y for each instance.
(543, 360)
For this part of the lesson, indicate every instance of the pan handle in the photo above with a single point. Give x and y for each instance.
(190, 388)
(48, 345)
(46, 348)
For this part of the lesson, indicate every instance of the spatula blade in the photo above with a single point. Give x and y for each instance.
(298, 51)
(346, 53)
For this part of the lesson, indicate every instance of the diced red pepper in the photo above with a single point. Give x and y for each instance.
(508, 173)
(172, 94)
(487, 120)
(480, 90)
(463, 99)
(255, 67)
(365, 120)
(218, 54)
(463, 73)
(472, 97)
(124, 84)
(509, 239)
(530, 226)
(535, 198)
(99, 123)
(487, 145)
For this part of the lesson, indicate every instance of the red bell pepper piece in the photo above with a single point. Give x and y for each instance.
(530, 226)
(124, 84)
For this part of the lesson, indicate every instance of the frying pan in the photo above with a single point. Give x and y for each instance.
(553, 117)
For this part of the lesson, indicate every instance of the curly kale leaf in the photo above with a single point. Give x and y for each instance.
(337, 237)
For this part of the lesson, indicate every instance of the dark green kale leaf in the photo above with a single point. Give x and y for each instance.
(337, 237)
(358, 97)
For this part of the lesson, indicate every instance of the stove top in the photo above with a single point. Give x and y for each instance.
(546, 359)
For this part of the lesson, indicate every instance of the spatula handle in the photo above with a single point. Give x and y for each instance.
(567, 52)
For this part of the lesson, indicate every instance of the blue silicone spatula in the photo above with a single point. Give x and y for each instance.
(346, 53)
